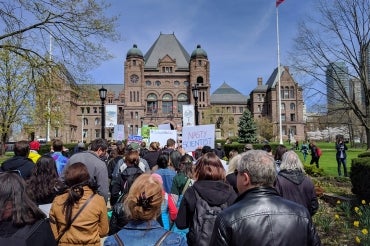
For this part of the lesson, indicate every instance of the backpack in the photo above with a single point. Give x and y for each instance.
(118, 216)
(19, 238)
(203, 221)
(318, 151)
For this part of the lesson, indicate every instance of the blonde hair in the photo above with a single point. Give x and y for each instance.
(233, 163)
(290, 161)
(144, 199)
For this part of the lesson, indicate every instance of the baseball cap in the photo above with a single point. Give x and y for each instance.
(34, 145)
(133, 146)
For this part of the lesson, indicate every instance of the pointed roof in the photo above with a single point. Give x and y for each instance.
(167, 44)
(227, 95)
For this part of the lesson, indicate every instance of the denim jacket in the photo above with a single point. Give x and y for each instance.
(144, 233)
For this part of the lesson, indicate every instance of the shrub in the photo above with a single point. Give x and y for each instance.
(312, 170)
(364, 154)
(360, 176)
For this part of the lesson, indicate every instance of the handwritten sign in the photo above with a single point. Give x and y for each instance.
(161, 136)
(198, 136)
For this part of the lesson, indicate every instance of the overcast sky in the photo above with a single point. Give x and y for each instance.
(239, 36)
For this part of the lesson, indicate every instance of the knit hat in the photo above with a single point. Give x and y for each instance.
(34, 145)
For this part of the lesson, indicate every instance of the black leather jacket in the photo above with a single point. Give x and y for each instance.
(261, 217)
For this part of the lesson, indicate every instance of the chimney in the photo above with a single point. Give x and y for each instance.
(259, 81)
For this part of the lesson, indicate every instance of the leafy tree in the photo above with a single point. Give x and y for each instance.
(265, 128)
(247, 128)
(37, 36)
(339, 33)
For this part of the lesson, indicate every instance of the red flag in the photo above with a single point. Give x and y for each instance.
(278, 2)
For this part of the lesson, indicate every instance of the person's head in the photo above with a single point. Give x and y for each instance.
(99, 146)
(15, 204)
(248, 147)
(186, 165)
(255, 168)
(279, 151)
(21, 148)
(132, 158)
(171, 143)
(81, 146)
(76, 174)
(43, 180)
(163, 160)
(290, 162)
(34, 145)
(143, 145)
(144, 199)
(233, 163)
(175, 157)
(57, 145)
(218, 146)
(154, 146)
(233, 153)
(209, 167)
(267, 148)
(206, 149)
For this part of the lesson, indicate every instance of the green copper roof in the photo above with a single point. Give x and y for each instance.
(134, 51)
(199, 52)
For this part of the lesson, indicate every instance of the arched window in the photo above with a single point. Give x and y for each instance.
(291, 92)
(167, 103)
(152, 103)
(292, 106)
(200, 80)
(182, 99)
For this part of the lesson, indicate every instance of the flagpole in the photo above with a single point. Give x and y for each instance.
(279, 82)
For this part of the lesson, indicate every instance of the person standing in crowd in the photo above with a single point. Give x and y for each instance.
(122, 183)
(260, 216)
(42, 184)
(183, 178)
(304, 150)
(341, 156)
(34, 148)
(152, 154)
(166, 173)
(267, 148)
(230, 175)
(314, 156)
(220, 152)
(210, 187)
(248, 147)
(57, 155)
(143, 206)
(20, 160)
(79, 215)
(96, 167)
(293, 184)
(279, 152)
(19, 215)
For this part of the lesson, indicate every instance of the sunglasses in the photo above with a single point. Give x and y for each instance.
(236, 172)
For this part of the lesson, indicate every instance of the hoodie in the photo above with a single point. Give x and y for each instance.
(294, 185)
(23, 164)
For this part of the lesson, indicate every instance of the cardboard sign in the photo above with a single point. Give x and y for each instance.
(194, 137)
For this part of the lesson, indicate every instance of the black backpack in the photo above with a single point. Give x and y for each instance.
(118, 218)
(19, 238)
(203, 221)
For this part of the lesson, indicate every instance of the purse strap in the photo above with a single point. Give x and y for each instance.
(162, 238)
(118, 239)
(73, 219)
(186, 185)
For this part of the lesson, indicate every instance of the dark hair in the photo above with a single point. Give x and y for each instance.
(206, 149)
(76, 177)
(186, 165)
(266, 148)
(21, 148)
(58, 145)
(163, 160)
(44, 177)
(15, 202)
(209, 167)
(132, 158)
(170, 142)
(279, 151)
(99, 143)
(175, 157)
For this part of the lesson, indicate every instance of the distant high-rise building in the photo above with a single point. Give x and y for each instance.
(337, 82)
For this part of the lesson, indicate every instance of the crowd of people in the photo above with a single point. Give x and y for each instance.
(125, 194)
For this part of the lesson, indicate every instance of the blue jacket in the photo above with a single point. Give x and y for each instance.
(144, 233)
(167, 177)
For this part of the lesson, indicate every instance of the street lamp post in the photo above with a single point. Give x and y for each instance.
(195, 91)
(103, 95)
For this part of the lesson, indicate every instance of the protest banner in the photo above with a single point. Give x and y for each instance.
(198, 136)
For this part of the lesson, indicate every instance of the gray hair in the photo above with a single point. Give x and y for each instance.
(260, 166)
(290, 161)
(233, 163)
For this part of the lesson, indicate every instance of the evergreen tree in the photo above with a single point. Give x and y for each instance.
(247, 128)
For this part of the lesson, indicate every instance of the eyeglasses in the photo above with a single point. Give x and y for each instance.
(236, 172)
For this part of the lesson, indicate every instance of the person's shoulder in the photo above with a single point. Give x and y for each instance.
(174, 238)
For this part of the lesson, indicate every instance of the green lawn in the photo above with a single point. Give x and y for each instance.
(328, 161)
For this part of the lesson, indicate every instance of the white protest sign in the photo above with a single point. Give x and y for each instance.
(161, 136)
(198, 136)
